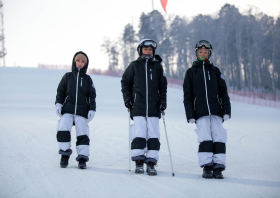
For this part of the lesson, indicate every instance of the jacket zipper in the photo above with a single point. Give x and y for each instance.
(146, 88)
(208, 75)
(77, 91)
(219, 101)
(206, 90)
(151, 74)
(81, 82)
(134, 100)
(65, 100)
(194, 102)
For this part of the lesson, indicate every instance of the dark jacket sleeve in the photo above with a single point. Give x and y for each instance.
(61, 90)
(224, 94)
(188, 96)
(92, 95)
(162, 86)
(127, 83)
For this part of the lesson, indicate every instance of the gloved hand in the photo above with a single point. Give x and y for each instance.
(90, 115)
(192, 121)
(162, 107)
(226, 117)
(58, 108)
(128, 104)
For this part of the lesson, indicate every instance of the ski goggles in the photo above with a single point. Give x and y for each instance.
(204, 43)
(150, 43)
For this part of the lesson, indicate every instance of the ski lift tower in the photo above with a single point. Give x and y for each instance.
(2, 48)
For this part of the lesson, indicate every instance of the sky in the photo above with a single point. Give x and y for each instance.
(51, 31)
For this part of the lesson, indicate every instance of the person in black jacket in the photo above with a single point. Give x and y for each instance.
(75, 104)
(207, 104)
(144, 88)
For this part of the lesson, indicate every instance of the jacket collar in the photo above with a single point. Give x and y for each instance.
(156, 59)
(200, 63)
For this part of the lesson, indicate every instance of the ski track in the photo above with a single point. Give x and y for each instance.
(28, 147)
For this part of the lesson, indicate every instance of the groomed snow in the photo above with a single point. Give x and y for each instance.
(29, 160)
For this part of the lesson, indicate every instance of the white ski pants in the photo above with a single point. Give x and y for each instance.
(145, 138)
(64, 127)
(211, 138)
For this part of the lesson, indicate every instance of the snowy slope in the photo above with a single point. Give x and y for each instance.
(29, 160)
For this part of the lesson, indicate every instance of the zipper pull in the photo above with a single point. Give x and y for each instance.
(208, 75)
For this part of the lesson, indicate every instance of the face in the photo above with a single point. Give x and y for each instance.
(203, 52)
(147, 50)
(80, 64)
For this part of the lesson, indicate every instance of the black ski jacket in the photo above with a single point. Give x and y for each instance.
(205, 91)
(76, 91)
(145, 85)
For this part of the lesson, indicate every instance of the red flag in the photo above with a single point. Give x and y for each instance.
(164, 4)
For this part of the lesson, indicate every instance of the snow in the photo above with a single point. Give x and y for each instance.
(29, 165)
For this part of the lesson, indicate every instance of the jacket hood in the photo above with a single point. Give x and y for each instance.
(156, 59)
(200, 63)
(74, 68)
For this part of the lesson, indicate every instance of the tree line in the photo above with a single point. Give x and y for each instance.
(244, 45)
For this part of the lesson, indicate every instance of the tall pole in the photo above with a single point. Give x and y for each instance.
(153, 4)
(2, 48)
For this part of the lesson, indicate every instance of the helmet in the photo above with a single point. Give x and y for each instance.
(204, 44)
(146, 43)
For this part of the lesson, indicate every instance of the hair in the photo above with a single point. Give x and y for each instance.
(80, 57)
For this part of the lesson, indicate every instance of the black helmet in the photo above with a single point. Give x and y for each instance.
(146, 43)
(204, 44)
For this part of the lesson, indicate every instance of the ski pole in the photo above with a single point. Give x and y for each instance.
(163, 113)
(129, 141)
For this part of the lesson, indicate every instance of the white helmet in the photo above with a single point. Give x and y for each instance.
(146, 43)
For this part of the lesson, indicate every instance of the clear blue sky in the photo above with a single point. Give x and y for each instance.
(51, 31)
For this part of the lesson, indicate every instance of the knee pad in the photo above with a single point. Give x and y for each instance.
(153, 144)
(138, 143)
(82, 140)
(206, 146)
(63, 136)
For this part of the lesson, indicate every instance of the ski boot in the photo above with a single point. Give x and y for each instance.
(207, 172)
(64, 161)
(217, 173)
(139, 169)
(151, 169)
(82, 163)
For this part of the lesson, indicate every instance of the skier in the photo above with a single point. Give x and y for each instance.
(207, 104)
(75, 105)
(144, 88)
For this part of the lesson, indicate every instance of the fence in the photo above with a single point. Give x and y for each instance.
(255, 98)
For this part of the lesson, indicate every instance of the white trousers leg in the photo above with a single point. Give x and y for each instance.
(82, 133)
(64, 135)
(219, 137)
(211, 138)
(145, 139)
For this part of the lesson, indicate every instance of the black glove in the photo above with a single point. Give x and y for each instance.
(128, 104)
(162, 107)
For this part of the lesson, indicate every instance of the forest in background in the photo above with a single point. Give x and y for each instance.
(245, 45)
